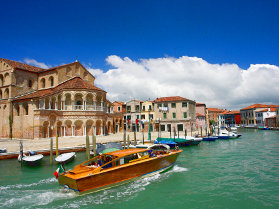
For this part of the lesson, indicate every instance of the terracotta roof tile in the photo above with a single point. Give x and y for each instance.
(170, 99)
(200, 104)
(215, 110)
(259, 106)
(22, 66)
(73, 83)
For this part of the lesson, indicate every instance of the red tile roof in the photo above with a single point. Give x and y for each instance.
(31, 68)
(120, 103)
(22, 66)
(215, 110)
(272, 109)
(259, 106)
(73, 83)
(200, 104)
(170, 99)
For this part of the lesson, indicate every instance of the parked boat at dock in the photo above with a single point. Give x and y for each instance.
(209, 138)
(33, 159)
(118, 167)
(65, 157)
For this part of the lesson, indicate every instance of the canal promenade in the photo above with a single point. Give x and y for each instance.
(73, 142)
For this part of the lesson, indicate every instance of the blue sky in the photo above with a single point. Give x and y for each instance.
(56, 32)
(218, 52)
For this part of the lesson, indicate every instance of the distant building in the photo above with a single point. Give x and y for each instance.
(271, 122)
(119, 109)
(248, 114)
(147, 116)
(201, 116)
(262, 115)
(132, 115)
(229, 118)
(175, 113)
(213, 113)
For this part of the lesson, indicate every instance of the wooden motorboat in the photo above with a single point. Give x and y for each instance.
(118, 167)
(33, 159)
(65, 157)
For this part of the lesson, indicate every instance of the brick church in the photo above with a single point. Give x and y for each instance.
(38, 103)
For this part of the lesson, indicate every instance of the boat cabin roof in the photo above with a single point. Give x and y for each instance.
(122, 153)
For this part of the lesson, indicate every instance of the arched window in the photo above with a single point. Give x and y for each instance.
(43, 83)
(68, 71)
(51, 81)
(25, 108)
(1, 80)
(6, 93)
(17, 109)
(30, 83)
(6, 79)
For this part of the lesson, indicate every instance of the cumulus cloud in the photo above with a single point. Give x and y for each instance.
(36, 63)
(217, 85)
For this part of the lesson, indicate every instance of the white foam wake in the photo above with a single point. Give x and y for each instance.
(19, 186)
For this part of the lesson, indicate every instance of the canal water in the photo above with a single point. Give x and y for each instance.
(238, 173)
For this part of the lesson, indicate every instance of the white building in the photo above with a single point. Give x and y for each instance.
(261, 116)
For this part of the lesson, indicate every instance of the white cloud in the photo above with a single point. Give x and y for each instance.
(218, 85)
(36, 63)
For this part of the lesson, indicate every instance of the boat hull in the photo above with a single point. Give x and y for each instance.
(209, 138)
(122, 174)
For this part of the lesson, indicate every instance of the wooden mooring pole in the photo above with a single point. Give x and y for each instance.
(94, 143)
(128, 143)
(51, 151)
(87, 147)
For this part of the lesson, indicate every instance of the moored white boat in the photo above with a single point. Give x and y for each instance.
(32, 160)
(65, 157)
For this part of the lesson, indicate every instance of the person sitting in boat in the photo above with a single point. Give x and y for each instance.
(100, 161)
(151, 154)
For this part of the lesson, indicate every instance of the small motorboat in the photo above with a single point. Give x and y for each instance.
(169, 143)
(33, 159)
(3, 150)
(118, 167)
(194, 140)
(209, 138)
(65, 157)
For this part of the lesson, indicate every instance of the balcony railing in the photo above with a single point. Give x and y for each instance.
(80, 108)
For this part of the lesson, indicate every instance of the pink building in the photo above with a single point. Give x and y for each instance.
(200, 115)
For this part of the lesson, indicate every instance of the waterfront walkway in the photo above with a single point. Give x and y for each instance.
(70, 142)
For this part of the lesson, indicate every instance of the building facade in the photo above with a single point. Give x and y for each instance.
(175, 113)
(132, 116)
(201, 121)
(119, 109)
(147, 118)
(213, 114)
(262, 115)
(248, 114)
(40, 103)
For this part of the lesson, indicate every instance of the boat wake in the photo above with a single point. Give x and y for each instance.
(46, 192)
(22, 186)
(35, 194)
